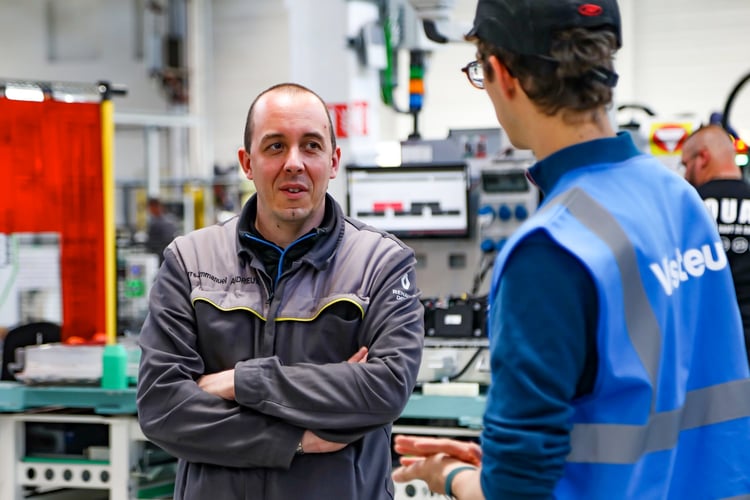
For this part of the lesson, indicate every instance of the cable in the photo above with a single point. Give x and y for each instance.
(461, 372)
(730, 101)
(485, 264)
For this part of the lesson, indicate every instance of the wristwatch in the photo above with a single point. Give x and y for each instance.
(300, 450)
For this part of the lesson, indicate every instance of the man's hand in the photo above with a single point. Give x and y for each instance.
(434, 470)
(359, 356)
(219, 384)
(432, 459)
(465, 451)
(314, 444)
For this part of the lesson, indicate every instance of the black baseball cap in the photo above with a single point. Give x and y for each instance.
(527, 26)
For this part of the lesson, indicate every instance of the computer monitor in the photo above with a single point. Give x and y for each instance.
(411, 201)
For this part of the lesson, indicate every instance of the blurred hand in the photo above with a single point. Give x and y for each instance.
(433, 470)
(464, 451)
(219, 384)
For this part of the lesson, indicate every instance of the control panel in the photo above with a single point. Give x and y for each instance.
(506, 199)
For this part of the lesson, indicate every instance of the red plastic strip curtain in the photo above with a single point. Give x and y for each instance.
(51, 165)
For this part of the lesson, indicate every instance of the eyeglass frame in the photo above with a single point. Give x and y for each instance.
(479, 62)
(476, 63)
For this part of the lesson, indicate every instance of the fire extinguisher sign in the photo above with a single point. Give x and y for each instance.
(349, 119)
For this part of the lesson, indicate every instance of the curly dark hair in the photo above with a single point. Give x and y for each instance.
(570, 78)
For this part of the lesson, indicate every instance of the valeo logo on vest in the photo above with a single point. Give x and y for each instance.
(691, 263)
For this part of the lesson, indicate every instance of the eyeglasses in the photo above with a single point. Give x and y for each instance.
(475, 73)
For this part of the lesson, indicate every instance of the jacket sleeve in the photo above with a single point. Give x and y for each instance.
(341, 401)
(175, 413)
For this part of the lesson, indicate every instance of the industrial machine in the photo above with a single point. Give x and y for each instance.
(455, 201)
(454, 254)
(30, 278)
(136, 273)
(488, 197)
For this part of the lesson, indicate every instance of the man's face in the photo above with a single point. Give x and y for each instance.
(290, 161)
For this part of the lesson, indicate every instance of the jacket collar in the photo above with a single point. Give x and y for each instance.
(318, 252)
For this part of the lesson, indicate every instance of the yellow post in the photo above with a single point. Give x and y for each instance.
(115, 356)
(110, 269)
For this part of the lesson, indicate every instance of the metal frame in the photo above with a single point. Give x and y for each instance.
(125, 442)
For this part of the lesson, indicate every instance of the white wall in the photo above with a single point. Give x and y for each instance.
(251, 50)
(688, 55)
(680, 56)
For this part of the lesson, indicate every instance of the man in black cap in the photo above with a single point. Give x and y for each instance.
(613, 325)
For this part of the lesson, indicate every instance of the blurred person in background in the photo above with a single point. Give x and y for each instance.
(162, 228)
(708, 157)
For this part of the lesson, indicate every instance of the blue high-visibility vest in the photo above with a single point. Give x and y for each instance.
(669, 415)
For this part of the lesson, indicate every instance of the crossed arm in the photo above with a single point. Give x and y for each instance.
(219, 422)
(222, 384)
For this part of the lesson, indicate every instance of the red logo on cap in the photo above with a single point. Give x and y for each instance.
(590, 10)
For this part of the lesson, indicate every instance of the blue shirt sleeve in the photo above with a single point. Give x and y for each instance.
(543, 328)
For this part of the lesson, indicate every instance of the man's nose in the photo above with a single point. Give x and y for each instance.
(294, 162)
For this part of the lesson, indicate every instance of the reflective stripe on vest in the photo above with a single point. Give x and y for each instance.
(626, 444)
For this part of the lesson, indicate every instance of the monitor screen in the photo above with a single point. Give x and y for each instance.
(411, 201)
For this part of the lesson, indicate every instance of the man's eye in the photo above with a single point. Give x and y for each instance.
(276, 146)
(314, 145)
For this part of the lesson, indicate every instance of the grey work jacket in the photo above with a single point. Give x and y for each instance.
(211, 309)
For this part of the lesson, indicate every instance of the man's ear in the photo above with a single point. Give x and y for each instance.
(244, 159)
(704, 155)
(335, 162)
(703, 161)
(506, 82)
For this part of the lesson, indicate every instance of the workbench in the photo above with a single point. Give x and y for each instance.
(453, 416)
(22, 404)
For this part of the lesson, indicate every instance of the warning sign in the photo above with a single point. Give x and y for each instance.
(667, 138)
(349, 119)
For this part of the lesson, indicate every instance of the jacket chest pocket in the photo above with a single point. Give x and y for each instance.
(228, 327)
(329, 335)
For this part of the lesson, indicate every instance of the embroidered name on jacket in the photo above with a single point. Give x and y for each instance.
(691, 263)
(223, 280)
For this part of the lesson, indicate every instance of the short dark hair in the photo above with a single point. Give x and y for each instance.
(570, 78)
(290, 88)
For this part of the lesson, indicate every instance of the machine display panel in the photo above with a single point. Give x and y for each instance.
(411, 201)
(505, 182)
